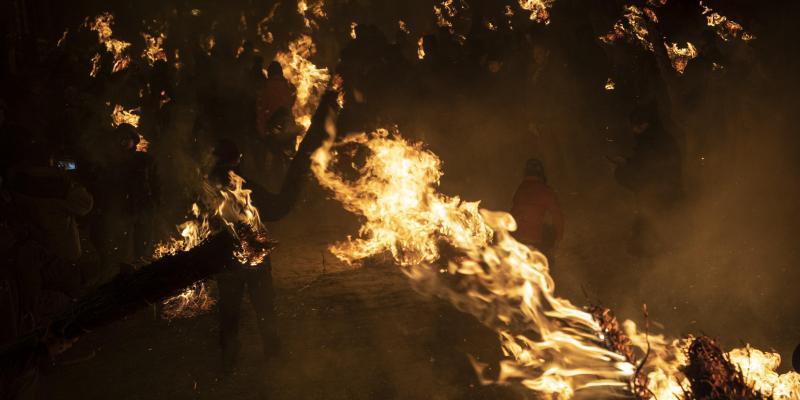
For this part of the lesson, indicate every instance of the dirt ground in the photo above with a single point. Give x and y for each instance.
(347, 332)
(361, 332)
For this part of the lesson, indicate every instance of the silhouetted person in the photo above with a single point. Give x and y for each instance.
(51, 198)
(127, 194)
(272, 207)
(274, 102)
(653, 174)
(540, 221)
(39, 245)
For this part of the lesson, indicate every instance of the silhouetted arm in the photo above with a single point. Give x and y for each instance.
(274, 206)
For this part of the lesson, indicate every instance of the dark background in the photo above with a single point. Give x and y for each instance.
(734, 273)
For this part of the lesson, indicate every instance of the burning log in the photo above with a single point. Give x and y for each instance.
(123, 296)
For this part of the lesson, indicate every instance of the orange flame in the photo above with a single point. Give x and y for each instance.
(102, 25)
(758, 369)
(725, 28)
(309, 80)
(632, 26)
(680, 56)
(154, 49)
(551, 346)
(143, 144)
(540, 9)
(121, 116)
(502, 282)
(235, 209)
(444, 13)
(312, 12)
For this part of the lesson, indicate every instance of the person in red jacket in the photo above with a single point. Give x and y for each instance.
(540, 222)
(274, 102)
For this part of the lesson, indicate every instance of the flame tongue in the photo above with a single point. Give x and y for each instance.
(309, 80)
(551, 346)
(234, 207)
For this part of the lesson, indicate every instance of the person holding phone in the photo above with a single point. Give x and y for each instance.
(40, 183)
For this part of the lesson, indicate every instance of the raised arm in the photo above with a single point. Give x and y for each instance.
(274, 206)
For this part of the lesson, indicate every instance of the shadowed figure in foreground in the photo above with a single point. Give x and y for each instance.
(272, 207)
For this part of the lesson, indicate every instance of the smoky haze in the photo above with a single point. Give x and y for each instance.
(732, 269)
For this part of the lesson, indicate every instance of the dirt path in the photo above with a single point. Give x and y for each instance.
(347, 333)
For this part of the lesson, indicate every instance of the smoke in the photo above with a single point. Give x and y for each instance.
(731, 267)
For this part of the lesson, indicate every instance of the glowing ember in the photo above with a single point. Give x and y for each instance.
(154, 50)
(102, 26)
(610, 85)
(209, 44)
(309, 80)
(402, 26)
(196, 299)
(143, 144)
(96, 59)
(193, 301)
(540, 9)
(121, 116)
(631, 26)
(444, 13)
(680, 56)
(262, 28)
(311, 12)
(353, 26)
(551, 346)
(725, 28)
(421, 48)
(62, 38)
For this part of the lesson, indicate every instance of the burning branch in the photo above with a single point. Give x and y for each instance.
(126, 294)
(451, 249)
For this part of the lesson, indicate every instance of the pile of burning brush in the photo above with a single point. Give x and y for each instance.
(709, 371)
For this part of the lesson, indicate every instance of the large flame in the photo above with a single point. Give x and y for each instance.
(758, 369)
(309, 80)
(450, 248)
(551, 346)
